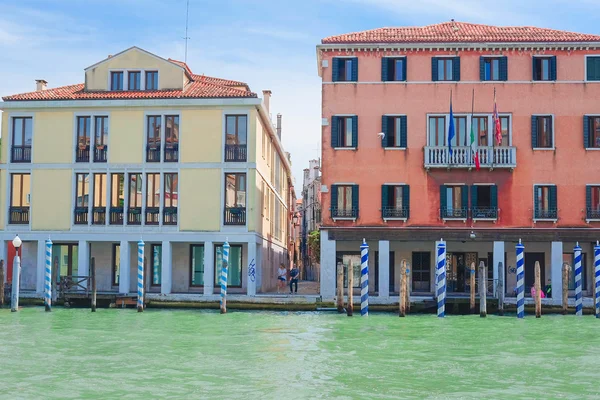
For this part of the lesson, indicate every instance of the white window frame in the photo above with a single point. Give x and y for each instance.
(163, 137)
(92, 115)
(553, 220)
(398, 115)
(553, 148)
(353, 147)
(126, 71)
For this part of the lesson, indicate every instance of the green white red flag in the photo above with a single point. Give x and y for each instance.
(473, 137)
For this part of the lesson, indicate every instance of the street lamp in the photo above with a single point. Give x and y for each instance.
(14, 304)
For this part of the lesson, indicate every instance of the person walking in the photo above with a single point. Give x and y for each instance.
(281, 277)
(294, 274)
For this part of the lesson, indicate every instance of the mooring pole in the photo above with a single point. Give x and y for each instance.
(364, 279)
(578, 281)
(16, 277)
(472, 284)
(538, 290)
(407, 285)
(520, 280)
(482, 290)
(350, 306)
(565, 288)
(596, 274)
(500, 288)
(93, 268)
(48, 277)
(1, 283)
(441, 279)
(223, 304)
(140, 283)
(340, 287)
(402, 302)
(55, 276)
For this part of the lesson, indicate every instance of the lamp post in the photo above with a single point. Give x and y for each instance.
(14, 304)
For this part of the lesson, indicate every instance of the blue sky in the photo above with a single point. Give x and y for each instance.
(269, 44)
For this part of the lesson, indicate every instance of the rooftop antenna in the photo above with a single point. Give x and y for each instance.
(186, 38)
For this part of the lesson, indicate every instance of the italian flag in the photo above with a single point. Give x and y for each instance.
(474, 148)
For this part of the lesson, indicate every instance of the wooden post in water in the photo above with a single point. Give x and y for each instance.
(55, 275)
(340, 287)
(538, 291)
(472, 284)
(500, 288)
(1, 283)
(402, 299)
(482, 290)
(350, 306)
(407, 285)
(93, 268)
(565, 288)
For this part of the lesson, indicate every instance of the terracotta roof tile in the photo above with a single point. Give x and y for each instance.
(461, 32)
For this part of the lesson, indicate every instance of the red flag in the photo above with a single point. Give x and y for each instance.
(497, 127)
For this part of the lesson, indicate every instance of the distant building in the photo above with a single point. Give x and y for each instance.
(311, 215)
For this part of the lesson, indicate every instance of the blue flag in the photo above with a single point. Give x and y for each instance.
(450, 129)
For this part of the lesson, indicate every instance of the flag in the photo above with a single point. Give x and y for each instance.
(450, 128)
(497, 128)
(474, 146)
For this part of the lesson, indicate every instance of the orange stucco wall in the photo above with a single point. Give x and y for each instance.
(569, 166)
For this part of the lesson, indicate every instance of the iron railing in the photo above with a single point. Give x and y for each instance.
(116, 216)
(98, 215)
(457, 213)
(19, 215)
(20, 154)
(134, 216)
(484, 213)
(172, 153)
(344, 212)
(81, 215)
(100, 153)
(152, 153)
(550, 213)
(592, 213)
(235, 216)
(82, 154)
(394, 212)
(170, 216)
(152, 215)
(236, 153)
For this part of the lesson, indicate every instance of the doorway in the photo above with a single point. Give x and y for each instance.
(530, 259)
(458, 271)
(392, 272)
(65, 258)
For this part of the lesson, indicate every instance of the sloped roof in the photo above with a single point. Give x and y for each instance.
(460, 32)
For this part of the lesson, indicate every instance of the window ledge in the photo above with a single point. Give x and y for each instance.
(553, 220)
(455, 219)
(588, 220)
(592, 148)
(544, 148)
(395, 219)
(344, 219)
(344, 148)
(400, 148)
(543, 81)
(402, 81)
(485, 219)
(344, 81)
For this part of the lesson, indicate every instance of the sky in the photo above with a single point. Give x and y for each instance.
(270, 44)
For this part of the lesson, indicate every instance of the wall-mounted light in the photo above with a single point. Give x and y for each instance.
(472, 235)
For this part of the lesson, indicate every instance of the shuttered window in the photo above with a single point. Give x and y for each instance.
(542, 132)
(454, 201)
(344, 131)
(592, 68)
(393, 69)
(395, 129)
(493, 68)
(344, 201)
(591, 131)
(395, 201)
(484, 202)
(445, 69)
(592, 202)
(545, 202)
(344, 69)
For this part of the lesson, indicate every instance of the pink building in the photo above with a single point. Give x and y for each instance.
(389, 175)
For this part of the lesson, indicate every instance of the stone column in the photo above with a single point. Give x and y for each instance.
(3, 257)
(252, 268)
(167, 268)
(209, 268)
(498, 258)
(556, 261)
(328, 274)
(83, 259)
(125, 269)
(40, 267)
(384, 268)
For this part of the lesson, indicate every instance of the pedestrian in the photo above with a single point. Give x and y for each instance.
(281, 277)
(294, 274)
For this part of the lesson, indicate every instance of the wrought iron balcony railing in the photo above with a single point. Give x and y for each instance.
(235, 216)
(394, 212)
(550, 213)
(134, 216)
(19, 215)
(170, 216)
(350, 213)
(82, 154)
(236, 153)
(152, 215)
(98, 215)
(20, 154)
(152, 153)
(116, 216)
(81, 216)
(453, 213)
(172, 153)
(100, 153)
(484, 213)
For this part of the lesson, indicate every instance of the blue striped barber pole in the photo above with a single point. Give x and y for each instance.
(140, 283)
(48, 277)
(520, 280)
(441, 279)
(578, 270)
(597, 275)
(364, 279)
(223, 304)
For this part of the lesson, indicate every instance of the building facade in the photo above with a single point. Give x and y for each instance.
(390, 177)
(145, 149)
(311, 215)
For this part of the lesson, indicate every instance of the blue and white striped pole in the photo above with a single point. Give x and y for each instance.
(441, 278)
(578, 270)
(597, 275)
(520, 280)
(140, 283)
(224, 276)
(48, 277)
(364, 279)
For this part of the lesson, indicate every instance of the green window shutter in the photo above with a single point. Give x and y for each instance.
(534, 75)
(464, 201)
(404, 61)
(406, 199)
(355, 131)
(355, 69)
(494, 196)
(503, 68)
(334, 197)
(586, 132)
(588, 197)
(384, 129)
(534, 128)
(553, 68)
(434, 69)
(593, 68)
(384, 69)
(334, 131)
(456, 69)
(403, 131)
(443, 204)
(473, 196)
(355, 200)
(384, 198)
(482, 68)
(536, 202)
(553, 199)
(335, 69)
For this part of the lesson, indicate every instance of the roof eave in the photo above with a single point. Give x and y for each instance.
(427, 45)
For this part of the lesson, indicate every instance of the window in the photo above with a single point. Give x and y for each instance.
(170, 199)
(344, 131)
(116, 263)
(445, 69)
(236, 138)
(84, 132)
(134, 79)
(394, 201)
(117, 198)
(393, 69)
(156, 266)
(82, 195)
(22, 133)
(153, 139)
(344, 69)
(545, 202)
(196, 265)
(151, 80)
(480, 127)
(351, 262)
(172, 138)
(19, 199)
(493, 68)
(484, 202)
(344, 201)
(460, 132)
(101, 138)
(421, 271)
(453, 201)
(234, 268)
(99, 209)
(235, 199)
(116, 80)
(277, 231)
(542, 135)
(65, 259)
(394, 128)
(544, 68)
(152, 198)
(591, 131)
(134, 211)
(570, 259)
(437, 131)
(504, 128)
(592, 197)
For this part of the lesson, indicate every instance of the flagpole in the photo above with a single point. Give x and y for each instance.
(493, 130)
(472, 112)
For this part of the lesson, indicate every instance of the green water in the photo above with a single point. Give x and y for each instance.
(112, 354)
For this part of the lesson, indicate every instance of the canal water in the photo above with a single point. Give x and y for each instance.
(114, 354)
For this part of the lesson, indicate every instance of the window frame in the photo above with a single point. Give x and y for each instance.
(154, 175)
(114, 195)
(134, 73)
(111, 76)
(137, 184)
(145, 74)
(341, 78)
(490, 59)
(592, 186)
(218, 278)
(342, 130)
(77, 174)
(236, 135)
(103, 181)
(115, 259)
(548, 58)
(444, 60)
(236, 175)
(174, 177)
(553, 146)
(192, 247)
(21, 189)
(151, 265)
(23, 130)
(544, 185)
(397, 135)
(591, 119)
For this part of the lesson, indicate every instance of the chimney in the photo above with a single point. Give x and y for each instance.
(279, 126)
(40, 85)
(267, 99)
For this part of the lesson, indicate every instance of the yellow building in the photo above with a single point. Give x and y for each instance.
(145, 149)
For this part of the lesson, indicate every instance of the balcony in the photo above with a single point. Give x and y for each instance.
(484, 213)
(550, 214)
(236, 153)
(454, 213)
(100, 153)
(152, 215)
(99, 216)
(400, 213)
(592, 214)
(152, 153)
(81, 215)
(462, 157)
(82, 154)
(170, 216)
(172, 153)
(116, 216)
(19, 215)
(20, 154)
(344, 213)
(134, 216)
(235, 216)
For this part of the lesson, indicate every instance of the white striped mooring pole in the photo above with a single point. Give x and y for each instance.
(140, 283)
(224, 277)
(578, 270)
(597, 275)
(441, 278)
(48, 277)
(364, 279)
(520, 280)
